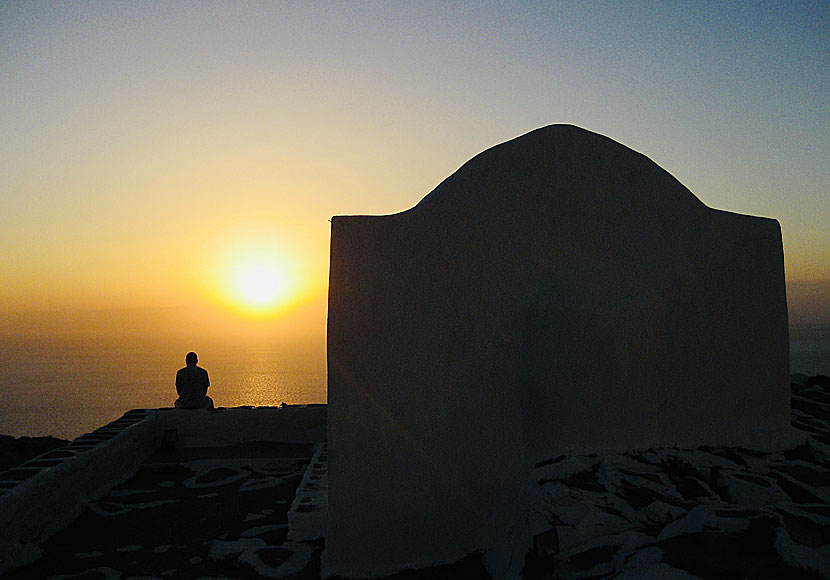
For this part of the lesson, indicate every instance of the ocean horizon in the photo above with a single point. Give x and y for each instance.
(66, 386)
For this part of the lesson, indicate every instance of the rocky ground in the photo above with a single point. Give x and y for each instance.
(16, 451)
(704, 513)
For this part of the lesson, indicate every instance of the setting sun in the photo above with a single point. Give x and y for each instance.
(253, 271)
(259, 284)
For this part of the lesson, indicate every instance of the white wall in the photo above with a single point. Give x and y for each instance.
(559, 292)
(88, 468)
(226, 427)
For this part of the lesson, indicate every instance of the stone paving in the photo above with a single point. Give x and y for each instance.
(198, 513)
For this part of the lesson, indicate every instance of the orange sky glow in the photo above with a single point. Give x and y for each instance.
(188, 157)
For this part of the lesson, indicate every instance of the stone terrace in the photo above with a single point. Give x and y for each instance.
(256, 509)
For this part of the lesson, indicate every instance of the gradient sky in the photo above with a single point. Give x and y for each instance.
(139, 141)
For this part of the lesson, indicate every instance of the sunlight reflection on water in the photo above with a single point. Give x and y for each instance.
(65, 389)
(261, 388)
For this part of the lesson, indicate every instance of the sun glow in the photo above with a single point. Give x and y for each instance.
(259, 284)
(253, 273)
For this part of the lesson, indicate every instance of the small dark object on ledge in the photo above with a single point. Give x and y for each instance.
(169, 439)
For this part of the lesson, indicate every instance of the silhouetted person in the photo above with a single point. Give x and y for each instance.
(192, 383)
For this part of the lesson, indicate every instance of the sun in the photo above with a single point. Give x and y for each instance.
(259, 282)
(259, 285)
(253, 272)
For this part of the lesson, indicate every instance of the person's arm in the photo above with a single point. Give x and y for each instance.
(207, 382)
(179, 383)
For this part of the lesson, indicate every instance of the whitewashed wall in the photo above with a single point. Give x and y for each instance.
(559, 292)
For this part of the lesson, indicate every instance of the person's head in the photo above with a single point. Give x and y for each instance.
(191, 358)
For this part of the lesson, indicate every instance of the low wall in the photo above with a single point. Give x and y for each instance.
(307, 516)
(224, 427)
(43, 495)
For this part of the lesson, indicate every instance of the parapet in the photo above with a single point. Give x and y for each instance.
(43, 495)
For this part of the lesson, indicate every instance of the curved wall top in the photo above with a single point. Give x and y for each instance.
(558, 292)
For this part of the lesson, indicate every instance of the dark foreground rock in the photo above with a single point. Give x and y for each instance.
(15, 451)
(703, 513)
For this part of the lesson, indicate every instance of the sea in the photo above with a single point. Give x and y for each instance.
(65, 386)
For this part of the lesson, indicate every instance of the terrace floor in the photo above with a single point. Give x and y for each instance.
(214, 512)
(228, 512)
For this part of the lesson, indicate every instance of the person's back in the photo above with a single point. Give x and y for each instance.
(192, 383)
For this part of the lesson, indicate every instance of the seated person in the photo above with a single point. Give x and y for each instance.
(192, 383)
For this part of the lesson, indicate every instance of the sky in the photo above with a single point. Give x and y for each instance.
(161, 154)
